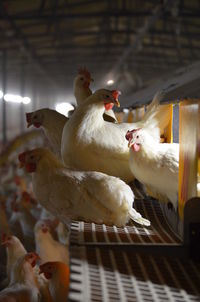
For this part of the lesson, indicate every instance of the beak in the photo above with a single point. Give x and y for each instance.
(4, 242)
(130, 143)
(117, 103)
(37, 257)
(41, 269)
(21, 165)
(115, 94)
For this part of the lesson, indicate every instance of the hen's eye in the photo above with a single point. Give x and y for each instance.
(32, 157)
(107, 96)
(81, 79)
(137, 136)
(35, 117)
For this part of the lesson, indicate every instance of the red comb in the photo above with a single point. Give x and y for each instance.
(84, 72)
(129, 133)
(28, 117)
(115, 94)
(22, 156)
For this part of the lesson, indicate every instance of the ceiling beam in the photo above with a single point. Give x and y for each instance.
(133, 47)
(66, 33)
(107, 14)
(29, 50)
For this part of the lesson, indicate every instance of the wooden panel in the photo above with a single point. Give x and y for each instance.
(188, 158)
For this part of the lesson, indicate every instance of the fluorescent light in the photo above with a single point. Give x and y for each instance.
(110, 82)
(16, 99)
(64, 108)
(13, 98)
(26, 100)
(1, 94)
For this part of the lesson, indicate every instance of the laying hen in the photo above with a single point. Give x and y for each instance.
(82, 91)
(23, 285)
(155, 165)
(47, 247)
(90, 196)
(14, 250)
(52, 123)
(82, 85)
(90, 143)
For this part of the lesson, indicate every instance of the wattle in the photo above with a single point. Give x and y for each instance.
(37, 125)
(47, 275)
(108, 106)
(31, 167)
(135, 147)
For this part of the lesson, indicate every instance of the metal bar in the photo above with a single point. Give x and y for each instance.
(4, 88)
(27, 46)
(117, 13)
(66, 33)
(22, 90)
(133, 48)
(36, 16)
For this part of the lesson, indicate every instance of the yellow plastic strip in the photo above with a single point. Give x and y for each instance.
(168, 132)
(189, 115)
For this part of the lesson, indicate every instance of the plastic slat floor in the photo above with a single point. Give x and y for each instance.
(112, 275)
(106, 264)
(159, 233)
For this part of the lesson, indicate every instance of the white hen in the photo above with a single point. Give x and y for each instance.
(155, 165)
(82, 85)
(52, 123)
(90, 196)
(90, 143)
(14, 250)
(47, 247)
(82, 91)
(23, 286)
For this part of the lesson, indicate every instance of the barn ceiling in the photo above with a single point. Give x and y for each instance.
(133, 42)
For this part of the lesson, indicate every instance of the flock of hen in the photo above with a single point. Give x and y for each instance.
(84, 178)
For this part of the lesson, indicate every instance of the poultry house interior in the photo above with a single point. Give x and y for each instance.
(100, 150)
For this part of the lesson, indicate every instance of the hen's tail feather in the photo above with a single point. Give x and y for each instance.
(157, 117)
(153, 107)
(137, 217)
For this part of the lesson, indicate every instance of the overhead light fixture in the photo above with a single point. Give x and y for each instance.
(13, 98)
(26, 100)
(110, 82)
(64, 108)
